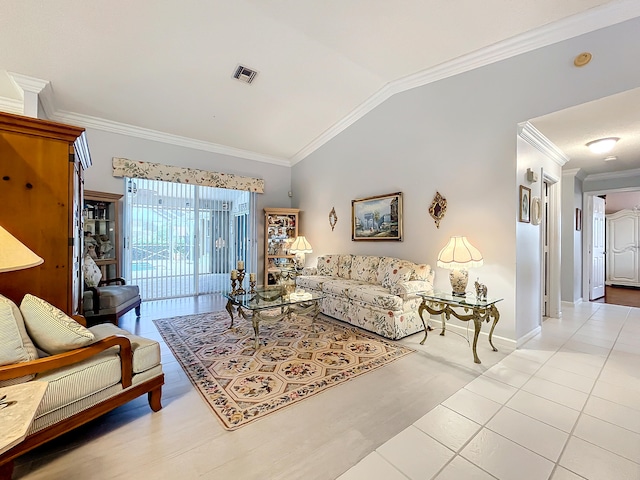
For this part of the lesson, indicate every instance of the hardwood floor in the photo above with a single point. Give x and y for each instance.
(318, 438)
(627, 296)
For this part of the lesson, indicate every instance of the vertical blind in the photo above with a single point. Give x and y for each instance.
(183, 240)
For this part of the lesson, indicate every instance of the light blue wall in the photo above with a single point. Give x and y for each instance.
(458, 136)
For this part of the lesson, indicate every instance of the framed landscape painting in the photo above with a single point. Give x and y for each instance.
(377, 218)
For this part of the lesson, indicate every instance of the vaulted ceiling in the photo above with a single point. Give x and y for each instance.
(164, 69)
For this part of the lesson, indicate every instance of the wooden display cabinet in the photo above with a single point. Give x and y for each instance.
(280, 230)
(101, 215)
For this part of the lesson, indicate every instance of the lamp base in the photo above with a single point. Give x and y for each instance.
(459, 280)
(299, 261)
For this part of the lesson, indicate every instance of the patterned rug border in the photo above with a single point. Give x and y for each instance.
(215, 396)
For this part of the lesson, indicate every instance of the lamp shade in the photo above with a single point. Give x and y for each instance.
(459, 254)
(300, 245)
(14, 255)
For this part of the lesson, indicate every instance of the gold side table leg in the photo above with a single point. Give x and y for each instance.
(493, 312)
(421, 309)
(255, 321)
(477, 324)
(229, 308)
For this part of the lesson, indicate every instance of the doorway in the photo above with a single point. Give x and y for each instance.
(611, 294)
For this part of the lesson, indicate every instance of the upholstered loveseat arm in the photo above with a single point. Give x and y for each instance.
(71, 357)
(411, 287)
(309, 271)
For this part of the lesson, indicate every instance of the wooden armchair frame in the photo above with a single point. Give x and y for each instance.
(152, 387)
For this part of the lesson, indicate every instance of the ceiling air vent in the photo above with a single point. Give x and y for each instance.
(244, 74)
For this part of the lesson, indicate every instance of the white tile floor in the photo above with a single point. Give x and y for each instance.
(564, 406)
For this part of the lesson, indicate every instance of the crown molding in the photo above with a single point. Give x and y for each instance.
(11, 105)
(156, 136)
(578, 173)
(610, 175)
(585, 22)
(42, 88)
(534, 137)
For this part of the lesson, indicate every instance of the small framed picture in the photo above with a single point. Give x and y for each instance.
(578, 219)
(525, 204)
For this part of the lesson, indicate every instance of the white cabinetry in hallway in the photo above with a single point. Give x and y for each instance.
(623, 252)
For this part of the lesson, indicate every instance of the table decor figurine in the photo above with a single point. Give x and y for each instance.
(481, 290)
(252, 283)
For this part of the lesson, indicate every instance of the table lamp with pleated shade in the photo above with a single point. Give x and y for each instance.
(458, 256)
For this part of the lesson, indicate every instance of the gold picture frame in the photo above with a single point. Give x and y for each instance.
(377, 218)
(333, 218)
(525, 204)
(438, 208)
(578, 219)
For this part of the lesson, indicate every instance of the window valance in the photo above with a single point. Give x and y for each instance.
(123, 167)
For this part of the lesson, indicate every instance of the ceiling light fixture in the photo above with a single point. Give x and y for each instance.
(602, 145)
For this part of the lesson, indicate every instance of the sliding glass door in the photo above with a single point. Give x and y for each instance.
(183, 240)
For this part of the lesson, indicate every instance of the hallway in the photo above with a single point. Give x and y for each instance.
(627, 296)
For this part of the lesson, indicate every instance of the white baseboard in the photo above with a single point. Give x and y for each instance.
(462, 330)
(573, 304)
(522, 340)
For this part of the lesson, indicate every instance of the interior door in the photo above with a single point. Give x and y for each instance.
(597, 277)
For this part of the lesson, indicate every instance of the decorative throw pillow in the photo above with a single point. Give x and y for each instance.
(344, 266)
(328, 265)
(92, 273)
(422, 272)
(395, 272)
(50, 328)
(15, 344)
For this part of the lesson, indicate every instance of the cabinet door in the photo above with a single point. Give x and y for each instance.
(623, 249)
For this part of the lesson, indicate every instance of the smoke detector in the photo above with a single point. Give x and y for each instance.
(244, 74)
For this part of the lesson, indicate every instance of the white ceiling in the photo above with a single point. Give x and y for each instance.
(147, 66)
(615, 116)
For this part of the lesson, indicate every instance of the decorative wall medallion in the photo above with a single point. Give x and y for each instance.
(438, 208)
(536, 210)
(333, 218)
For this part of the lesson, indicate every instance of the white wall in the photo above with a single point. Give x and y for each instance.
(105, 145)
(529, 239)
(458, 136)
(571, 238)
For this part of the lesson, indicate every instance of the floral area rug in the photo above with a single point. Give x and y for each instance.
(295, 360)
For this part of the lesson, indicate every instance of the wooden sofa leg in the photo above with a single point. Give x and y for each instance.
(6, 470)
(138, 311)
(155, 399)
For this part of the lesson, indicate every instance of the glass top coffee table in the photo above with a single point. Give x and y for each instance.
(268, 298)
(473, 308)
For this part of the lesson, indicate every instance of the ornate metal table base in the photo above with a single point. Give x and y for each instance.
(478, 314)
(304, 308)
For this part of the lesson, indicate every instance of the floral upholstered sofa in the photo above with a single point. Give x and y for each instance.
(375, 293)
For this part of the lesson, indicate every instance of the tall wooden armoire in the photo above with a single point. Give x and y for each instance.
(41, 183)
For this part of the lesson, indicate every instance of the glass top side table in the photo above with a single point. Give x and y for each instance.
(297, 301)
(465, 308)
